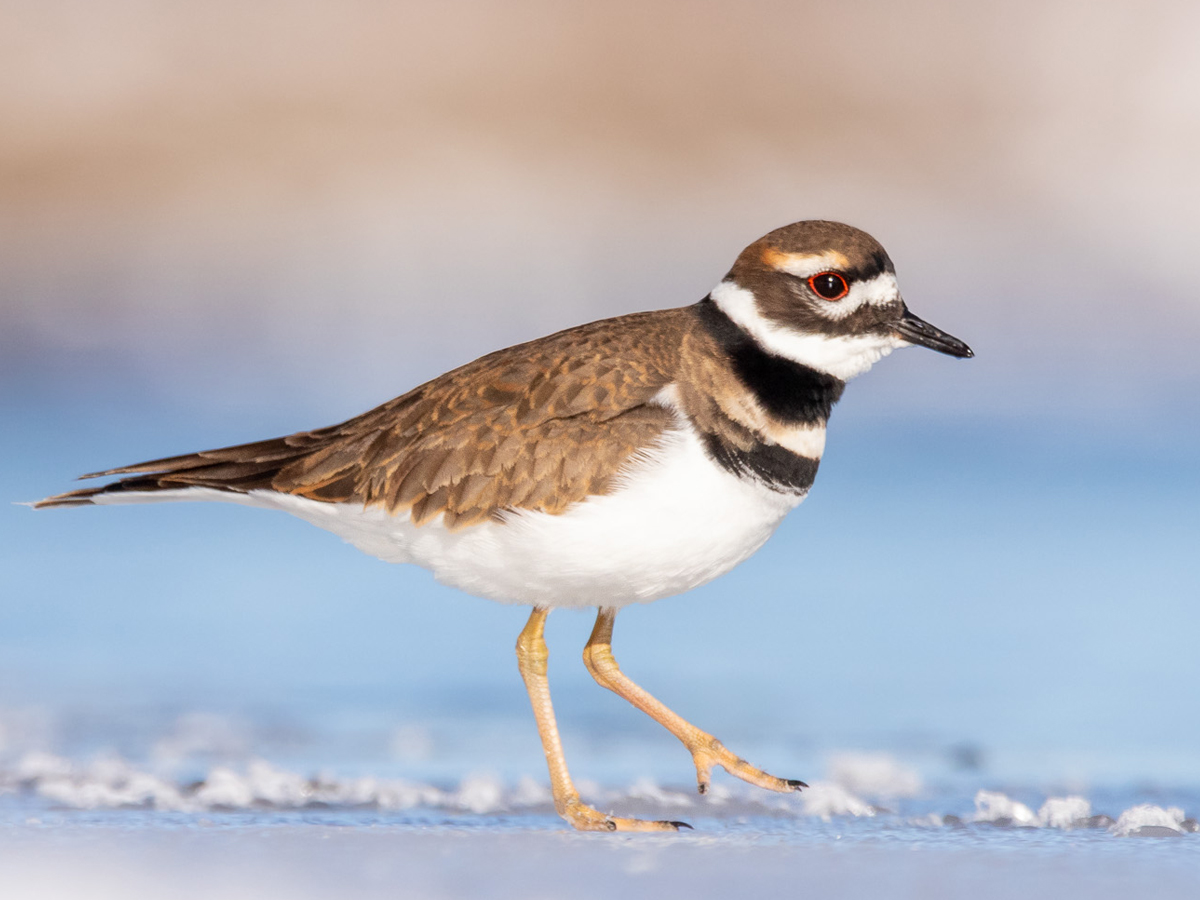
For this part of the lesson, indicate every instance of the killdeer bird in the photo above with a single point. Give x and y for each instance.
(612, 463)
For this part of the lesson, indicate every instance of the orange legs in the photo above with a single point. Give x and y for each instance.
(706, 750)
(532, 656)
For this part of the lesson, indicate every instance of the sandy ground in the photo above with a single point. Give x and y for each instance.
(538, 860)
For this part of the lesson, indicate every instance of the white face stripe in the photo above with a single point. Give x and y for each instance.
(878, 291)
(842, 357)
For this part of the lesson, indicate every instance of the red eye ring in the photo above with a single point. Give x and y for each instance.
(829, 285)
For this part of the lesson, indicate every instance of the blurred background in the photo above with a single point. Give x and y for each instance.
(227, 221)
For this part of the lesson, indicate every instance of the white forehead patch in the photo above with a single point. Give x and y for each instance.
(842, 356)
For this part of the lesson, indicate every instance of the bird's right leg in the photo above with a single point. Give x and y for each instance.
(706, 750)
(532, 657)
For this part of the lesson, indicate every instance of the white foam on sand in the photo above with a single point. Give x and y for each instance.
(996, 808)
(113, 783)
(877, 775)
(1065, 812)
(826, 800)
(105, 783)
(1147, 820)
(109, 783)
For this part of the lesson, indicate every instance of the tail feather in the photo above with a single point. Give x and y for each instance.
(238, 470)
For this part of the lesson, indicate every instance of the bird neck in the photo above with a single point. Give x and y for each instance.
(790, 391)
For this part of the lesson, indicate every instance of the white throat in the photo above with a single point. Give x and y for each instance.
(842, 357)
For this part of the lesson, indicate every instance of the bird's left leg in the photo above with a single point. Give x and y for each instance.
(532, 658)
(706, 750)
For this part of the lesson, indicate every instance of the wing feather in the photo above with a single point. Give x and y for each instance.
(539, 426)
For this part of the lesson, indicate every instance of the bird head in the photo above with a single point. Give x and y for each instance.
(825, 295)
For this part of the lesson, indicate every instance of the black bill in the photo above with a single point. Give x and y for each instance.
(917, 331)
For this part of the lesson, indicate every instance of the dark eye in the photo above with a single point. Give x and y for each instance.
(829, 285)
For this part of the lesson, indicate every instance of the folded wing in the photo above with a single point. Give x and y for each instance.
(539, 426)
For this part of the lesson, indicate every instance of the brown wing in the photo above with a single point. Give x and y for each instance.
(538, 426)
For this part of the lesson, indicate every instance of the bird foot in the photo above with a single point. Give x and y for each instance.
(713, 753)
(584, 818)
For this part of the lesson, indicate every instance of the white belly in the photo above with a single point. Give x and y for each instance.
(677, 521)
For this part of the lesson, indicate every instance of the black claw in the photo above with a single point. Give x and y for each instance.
(610, 824)
(796, 785)
(679, 825)
(702, 788)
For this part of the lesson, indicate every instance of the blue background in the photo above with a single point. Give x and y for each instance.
(224, 224)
